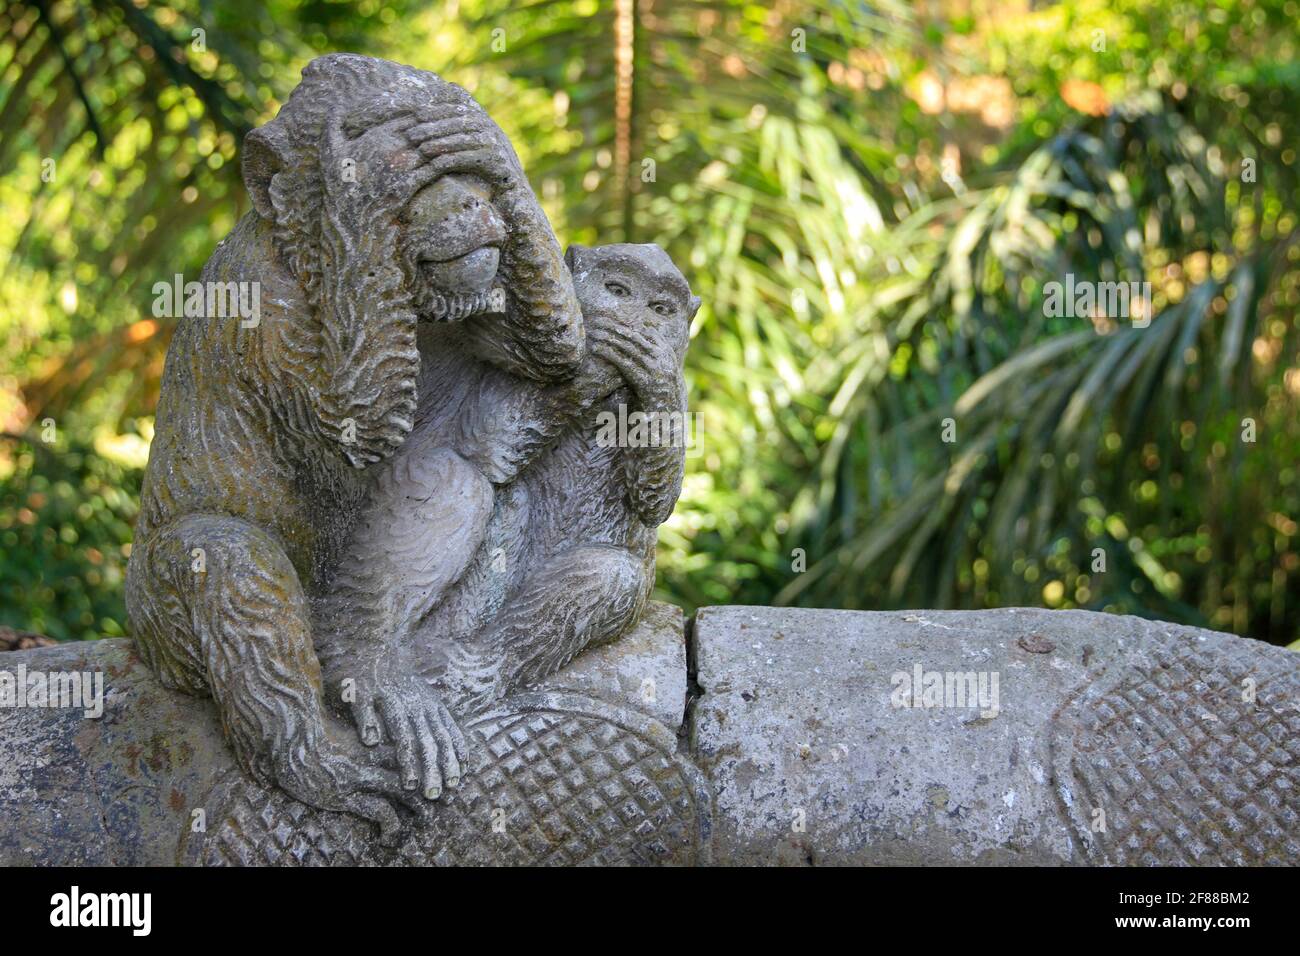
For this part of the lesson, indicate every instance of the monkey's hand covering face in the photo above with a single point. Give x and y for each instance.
(361, 196)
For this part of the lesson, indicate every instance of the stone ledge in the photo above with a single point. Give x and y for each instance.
(645, 669)
(811, 762)
(807, 755)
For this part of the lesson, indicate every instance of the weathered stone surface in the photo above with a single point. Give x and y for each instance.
(553, 780)
(1185, 739)
(121, 789)
(645, 668)
(1141, 721)
(109, 791)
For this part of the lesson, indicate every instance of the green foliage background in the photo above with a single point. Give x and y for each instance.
(870, 198)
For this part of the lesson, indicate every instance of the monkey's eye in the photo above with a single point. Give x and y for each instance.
(617, 289)
(661, 308)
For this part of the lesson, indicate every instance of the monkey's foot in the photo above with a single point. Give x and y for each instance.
(403, 709)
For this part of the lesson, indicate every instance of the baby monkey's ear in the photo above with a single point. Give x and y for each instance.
(573, 256)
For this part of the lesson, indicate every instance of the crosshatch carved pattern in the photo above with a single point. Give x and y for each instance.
(560, 780)
(1186, 770)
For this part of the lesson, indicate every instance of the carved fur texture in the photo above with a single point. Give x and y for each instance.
(513, 531)
(383, 196)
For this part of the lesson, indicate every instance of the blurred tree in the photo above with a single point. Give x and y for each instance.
(65, 519)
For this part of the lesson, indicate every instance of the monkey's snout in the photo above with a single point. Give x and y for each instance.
(472, 272)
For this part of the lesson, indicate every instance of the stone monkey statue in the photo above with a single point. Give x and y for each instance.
(590, 506)
(382, 196)
(511, 531)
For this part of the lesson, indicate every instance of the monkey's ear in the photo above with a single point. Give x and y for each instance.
(694, 307)
(573, 256)
(266, 152)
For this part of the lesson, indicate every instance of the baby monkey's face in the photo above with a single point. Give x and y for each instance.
(637, 311)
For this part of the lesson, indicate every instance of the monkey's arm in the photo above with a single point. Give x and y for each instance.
(508, 423)
(655, 472)
(539, 336)
(216, 607)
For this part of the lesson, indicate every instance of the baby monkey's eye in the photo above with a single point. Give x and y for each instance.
(617, 288)
(661, 308)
